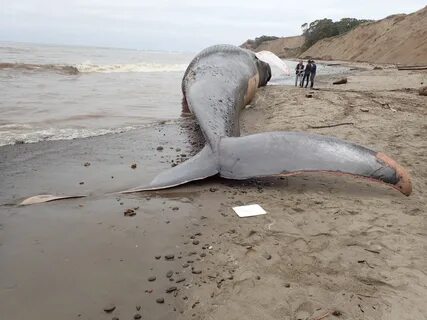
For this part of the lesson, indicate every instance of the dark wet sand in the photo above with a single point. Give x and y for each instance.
(327, 245)
(68, 259)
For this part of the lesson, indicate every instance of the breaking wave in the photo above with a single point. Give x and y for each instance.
(24, 133)
(95, 68)
(40, 67)
(135, 67)
(30, 136)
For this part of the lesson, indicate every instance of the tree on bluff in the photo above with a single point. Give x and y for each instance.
(326, 28)
(262, 39)
(253, 44)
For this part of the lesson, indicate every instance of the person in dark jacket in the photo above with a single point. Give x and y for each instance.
(306, 73)
(299, 70)
(312, 73)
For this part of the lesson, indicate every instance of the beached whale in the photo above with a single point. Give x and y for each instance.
(217, 84)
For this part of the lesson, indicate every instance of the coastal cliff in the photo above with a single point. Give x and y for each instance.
(397, 39)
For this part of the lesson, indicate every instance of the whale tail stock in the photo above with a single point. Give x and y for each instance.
(284, 153)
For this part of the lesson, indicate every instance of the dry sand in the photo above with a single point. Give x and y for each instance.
(336, 244)
(329, 247)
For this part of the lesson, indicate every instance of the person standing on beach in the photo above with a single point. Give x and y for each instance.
(299, 70)
(306, 74)
(312, 73)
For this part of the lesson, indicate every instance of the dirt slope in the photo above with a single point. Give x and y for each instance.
(286, 47)
(398, 39)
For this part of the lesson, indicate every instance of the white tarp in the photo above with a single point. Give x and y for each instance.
(273, 60)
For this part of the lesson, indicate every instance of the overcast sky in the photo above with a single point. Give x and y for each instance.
(182, 25)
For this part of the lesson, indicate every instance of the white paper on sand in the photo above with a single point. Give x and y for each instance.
(272, 59)
(249, 211)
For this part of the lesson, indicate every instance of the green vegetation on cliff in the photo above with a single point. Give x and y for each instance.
(253, 44)
(326, 28)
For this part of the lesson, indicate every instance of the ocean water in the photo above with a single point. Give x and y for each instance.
(51, 92)
(60, 92)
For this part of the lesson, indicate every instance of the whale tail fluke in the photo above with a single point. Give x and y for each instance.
(275, 153)
(202, 165)
(284, 153)
(291, 153)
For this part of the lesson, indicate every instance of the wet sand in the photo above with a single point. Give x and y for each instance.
(328, 246)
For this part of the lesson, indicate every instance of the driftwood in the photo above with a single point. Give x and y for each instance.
(332, 125)
(411, 67)
(341, 81)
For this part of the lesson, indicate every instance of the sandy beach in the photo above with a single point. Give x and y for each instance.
(328, 248)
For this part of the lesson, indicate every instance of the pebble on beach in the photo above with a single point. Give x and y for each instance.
(336, 313)
(109, 308)
(169, 256)
(152, 278)
(129, 213)
(133, 166)
(267, 256)
(341, 81)
(171, 289)
(160, 300)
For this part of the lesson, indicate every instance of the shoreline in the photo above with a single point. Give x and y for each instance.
(328, 245)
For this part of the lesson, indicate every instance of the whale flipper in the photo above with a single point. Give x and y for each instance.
(202, 165)
(291, 153)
